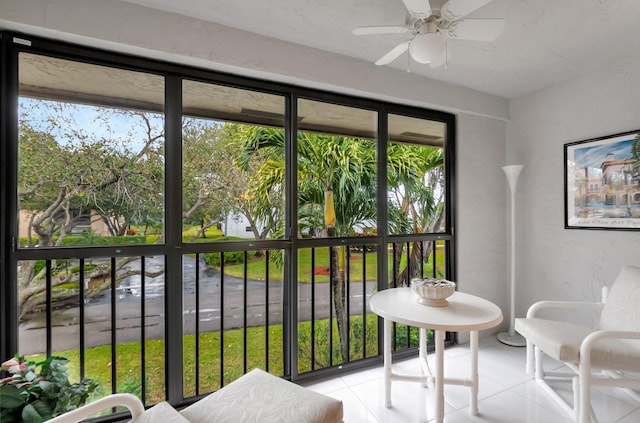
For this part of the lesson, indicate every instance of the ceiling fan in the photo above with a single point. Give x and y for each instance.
(431, 29)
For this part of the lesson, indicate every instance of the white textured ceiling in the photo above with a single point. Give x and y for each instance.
(545, 41)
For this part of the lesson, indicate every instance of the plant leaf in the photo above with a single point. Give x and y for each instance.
(12, 397)
(47, 387)
(8, 415)
(36, 412)
(30, 376)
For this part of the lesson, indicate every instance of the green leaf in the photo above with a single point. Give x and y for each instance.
(36, 412)
(12, 397)
(47, 387)
(8, 415)
(30, 376)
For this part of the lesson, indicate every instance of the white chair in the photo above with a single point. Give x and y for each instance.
(133, 403)
(613, 348)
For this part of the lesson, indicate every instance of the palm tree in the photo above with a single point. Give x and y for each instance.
(336, 188)
(416, 181)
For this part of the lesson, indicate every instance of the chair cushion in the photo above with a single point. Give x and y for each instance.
(261, 397)
(561, 340)
(621, 311)
(162, 412)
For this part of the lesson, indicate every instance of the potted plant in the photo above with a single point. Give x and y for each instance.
(32, 397)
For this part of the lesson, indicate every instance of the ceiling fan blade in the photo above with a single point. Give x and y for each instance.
(393, 53)
(456, 9)
(418, 8)
(477, 29)
(371, 30)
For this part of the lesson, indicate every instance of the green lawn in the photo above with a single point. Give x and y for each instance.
(128, 358)
(256, 269)
(427, 267)
(98, 363)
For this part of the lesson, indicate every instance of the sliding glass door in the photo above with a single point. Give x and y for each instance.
(168, 229)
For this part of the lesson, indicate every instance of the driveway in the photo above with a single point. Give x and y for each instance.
(129, 303)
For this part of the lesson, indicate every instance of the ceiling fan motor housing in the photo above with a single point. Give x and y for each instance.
(426, 47)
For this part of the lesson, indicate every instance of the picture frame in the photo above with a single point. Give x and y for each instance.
(602, 182)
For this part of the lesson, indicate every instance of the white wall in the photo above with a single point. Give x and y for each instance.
(481, 199)
(133, 29)
(553, 262)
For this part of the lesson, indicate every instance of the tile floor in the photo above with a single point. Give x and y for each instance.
(506, 393)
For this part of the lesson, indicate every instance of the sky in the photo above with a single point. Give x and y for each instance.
(94, 121)
(592, 154)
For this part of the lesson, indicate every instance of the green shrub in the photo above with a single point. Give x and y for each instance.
(132, 386)
(413, 339)
(40, 264)
(23, 241)
(231, 257)
(324, 347)
(78, 240)
(93, 239)
(58, 266)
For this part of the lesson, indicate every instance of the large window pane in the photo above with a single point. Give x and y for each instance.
(337, 194)
(416, 176)
(105, 315)
(91, 154)
(233, 163)
(232, 317)
(336, 170)
(326, 337)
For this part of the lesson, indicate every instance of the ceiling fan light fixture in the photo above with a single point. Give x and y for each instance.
(432, 32)
(426, 47)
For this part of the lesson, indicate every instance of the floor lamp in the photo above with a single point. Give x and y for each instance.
(511, 337)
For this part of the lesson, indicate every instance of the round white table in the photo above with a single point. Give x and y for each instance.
(464, 313)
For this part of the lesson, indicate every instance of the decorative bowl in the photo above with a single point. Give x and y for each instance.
(433, 292)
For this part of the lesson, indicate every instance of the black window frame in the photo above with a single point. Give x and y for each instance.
(11, 44)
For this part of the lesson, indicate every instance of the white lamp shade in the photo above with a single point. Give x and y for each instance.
(426, 47)
(512, 172)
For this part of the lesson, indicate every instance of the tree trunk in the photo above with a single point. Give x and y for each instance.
(203, 229)
(32, 294)
(404, 278)
(339, 299)
(397, 259)
(337, 278)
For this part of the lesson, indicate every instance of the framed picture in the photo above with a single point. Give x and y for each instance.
(602, 182)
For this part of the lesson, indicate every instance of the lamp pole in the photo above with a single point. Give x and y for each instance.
(511, 337)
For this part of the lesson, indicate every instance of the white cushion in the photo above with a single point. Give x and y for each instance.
(562, 340)
(160, 413)
(621, 311)
(261, 397)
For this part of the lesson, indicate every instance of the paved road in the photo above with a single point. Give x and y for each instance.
(128, 304)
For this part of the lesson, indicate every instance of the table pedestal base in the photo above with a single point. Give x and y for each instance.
(438, 378)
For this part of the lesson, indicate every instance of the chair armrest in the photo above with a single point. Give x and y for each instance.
(581, 305)
(592, 338)
(132, 402)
